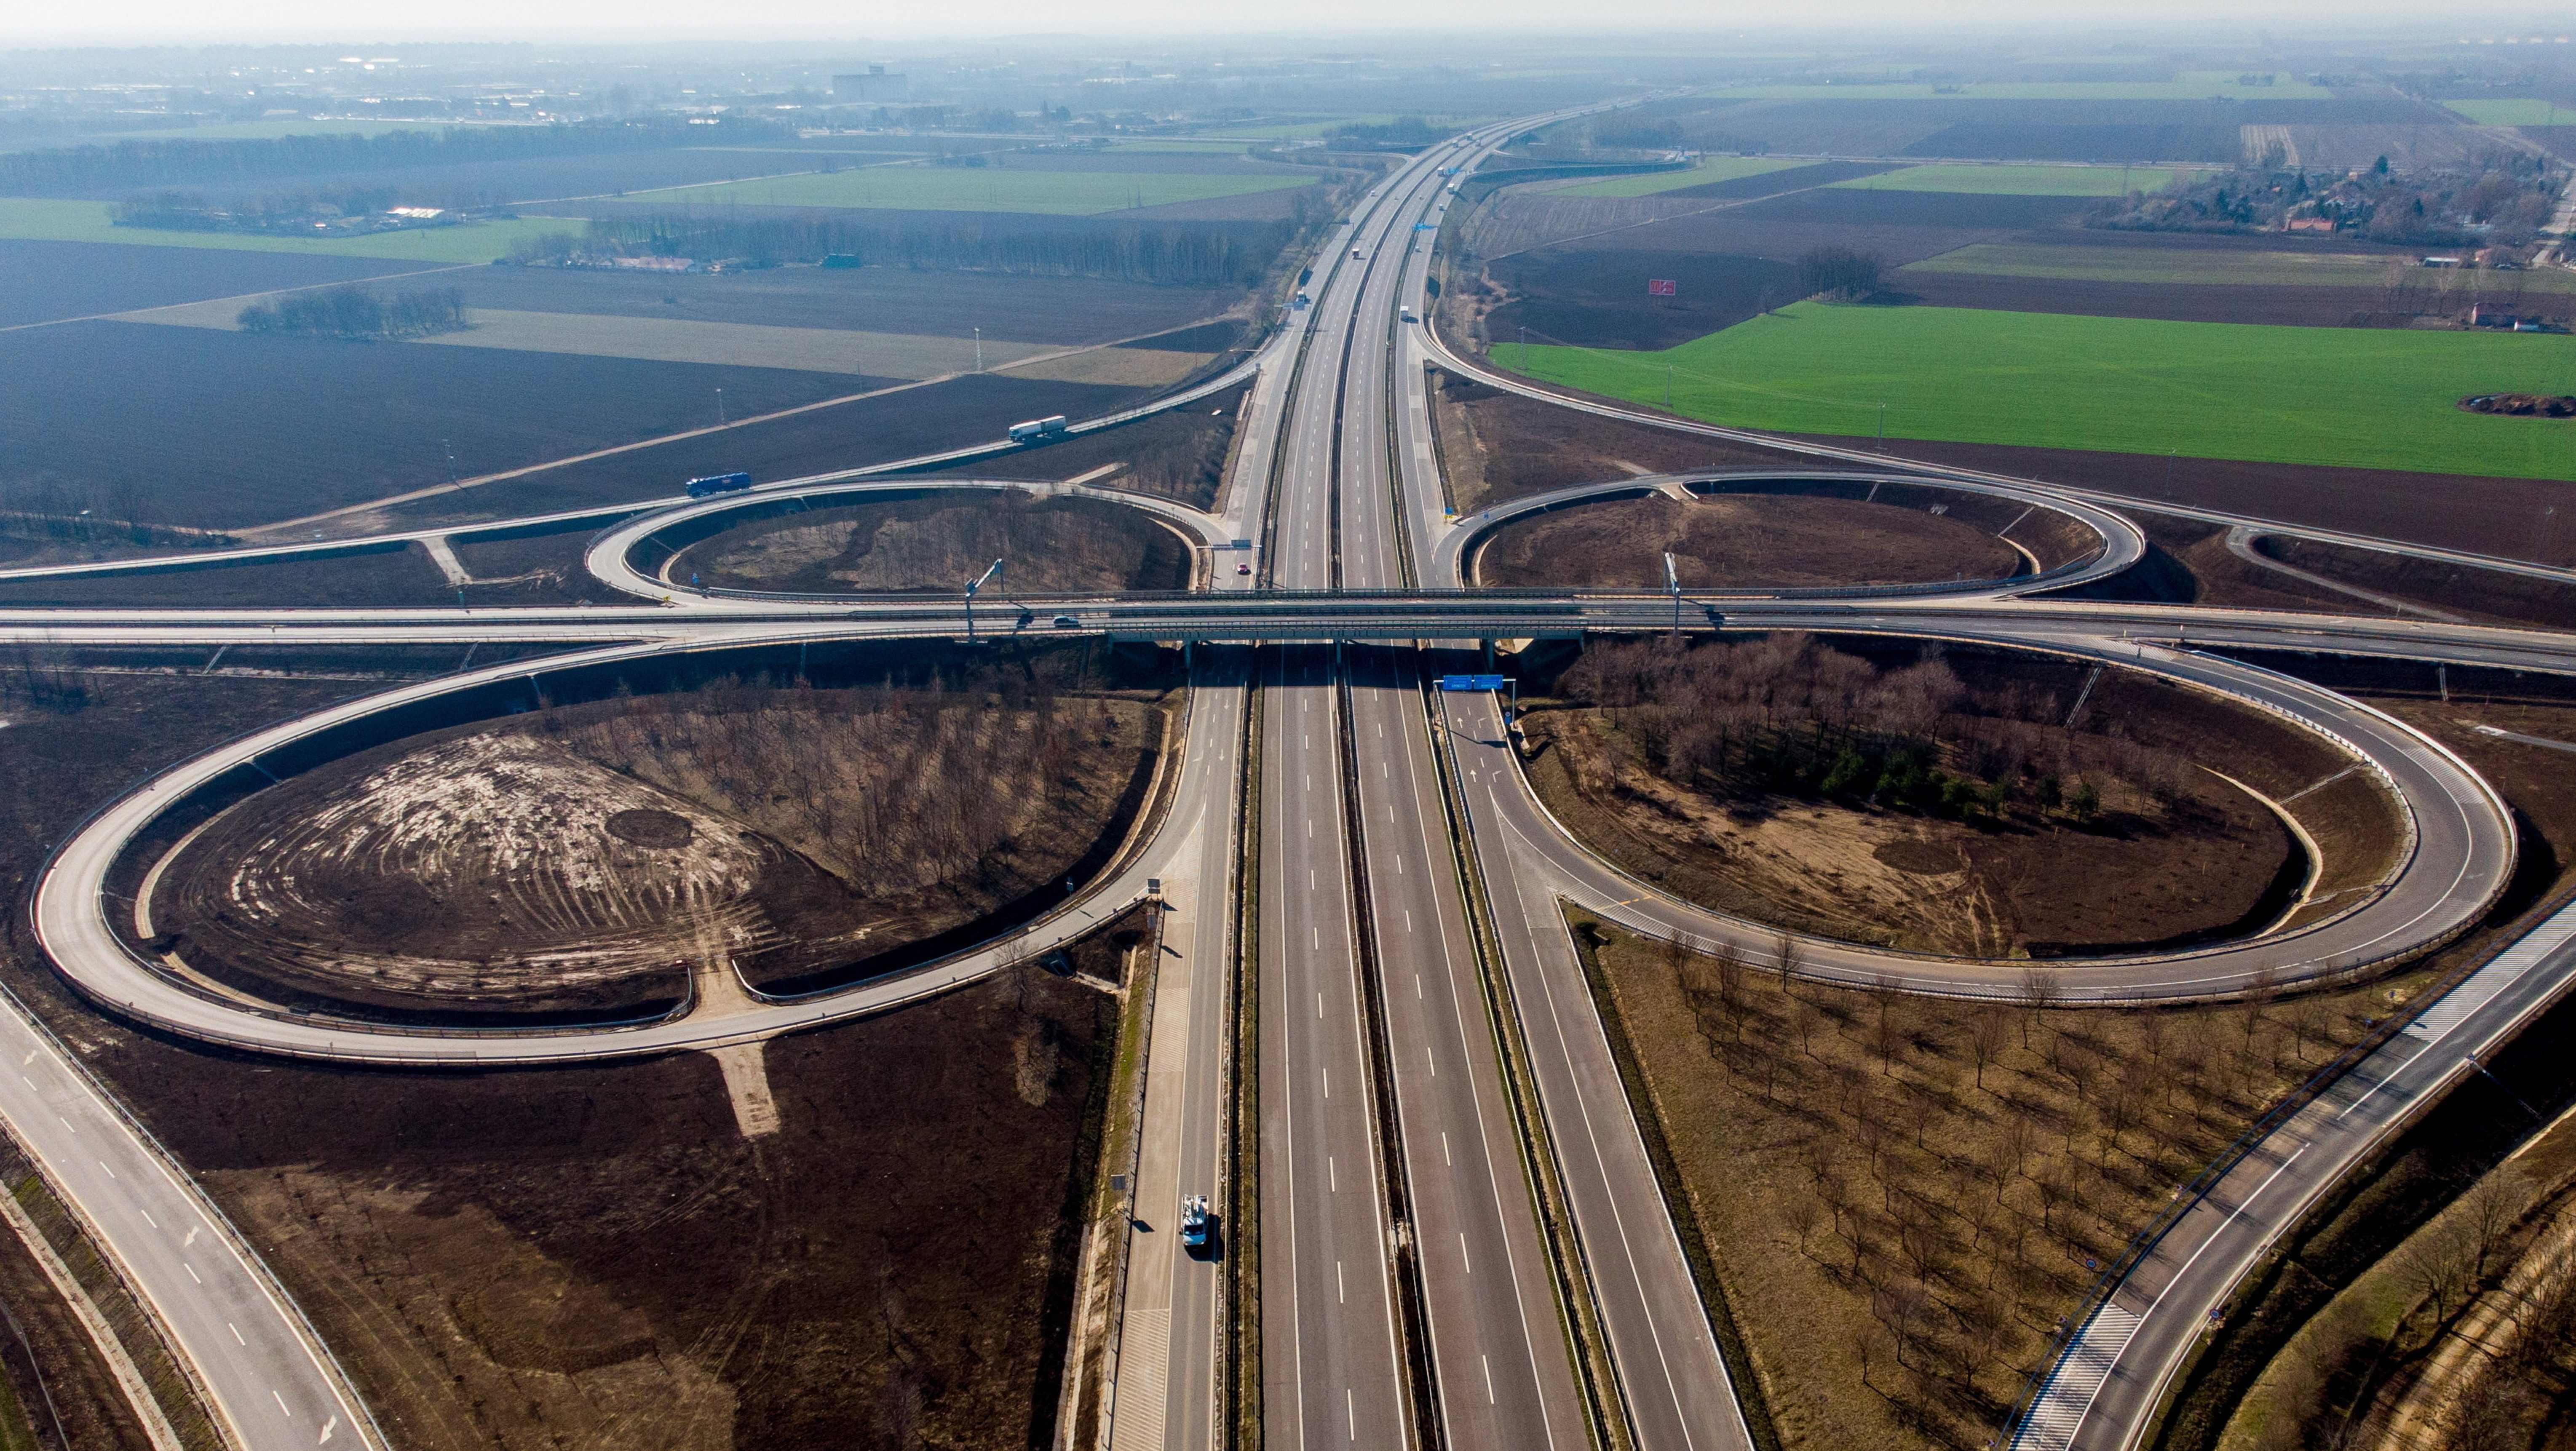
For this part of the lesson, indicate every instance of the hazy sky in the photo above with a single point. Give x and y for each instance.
(129, 22)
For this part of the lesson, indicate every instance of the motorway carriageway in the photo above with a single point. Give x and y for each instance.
(1331, 437)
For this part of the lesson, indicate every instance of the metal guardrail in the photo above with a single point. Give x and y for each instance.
(2198, 1188)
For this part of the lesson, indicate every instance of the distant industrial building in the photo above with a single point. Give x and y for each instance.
(876, 85)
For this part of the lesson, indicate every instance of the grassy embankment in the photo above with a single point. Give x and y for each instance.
(2352, 397)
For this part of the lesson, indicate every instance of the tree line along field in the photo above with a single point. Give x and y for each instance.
(1699, 173)
(2178, 260)
(2380, 399)
(985, 189)
(2006, 180)
(45, 219)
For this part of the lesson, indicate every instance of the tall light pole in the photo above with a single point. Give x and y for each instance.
(979, 350)
(972, 586)
(1673, 583)
(721, 420)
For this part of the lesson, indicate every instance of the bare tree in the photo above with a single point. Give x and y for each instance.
(2018, 1134)
(1886, 1030)
(1800, 1215)
(1784, 958)
(1727, 966)
(2041, 990)
(1988, 1035)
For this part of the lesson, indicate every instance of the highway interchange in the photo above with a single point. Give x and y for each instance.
(1462, 1240)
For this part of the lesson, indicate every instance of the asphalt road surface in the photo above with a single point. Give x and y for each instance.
(1370, 989)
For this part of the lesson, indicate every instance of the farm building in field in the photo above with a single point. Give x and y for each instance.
(876, 85)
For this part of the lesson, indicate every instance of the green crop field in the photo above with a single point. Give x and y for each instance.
(1709, 169)
(2023, 180)
(2199, 268)
(2188, 86)
(29, 219)
(2360, 398)
(977, 189)
(2514, 111)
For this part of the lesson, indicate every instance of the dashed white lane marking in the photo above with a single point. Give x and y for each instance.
(1340, 1286)
(1488, 1364)
(237, 1335)
(192, 1271)
(281, 1400)
(1463, 1257)
(1444, 1149)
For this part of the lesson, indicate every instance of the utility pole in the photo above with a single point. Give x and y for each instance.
(1673, 583)
(1882, 428)
(721, 420)
(979, 350)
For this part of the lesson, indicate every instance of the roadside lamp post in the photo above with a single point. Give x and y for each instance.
(721, 421)
(979, 350)
(972, 586)
(1673, 584)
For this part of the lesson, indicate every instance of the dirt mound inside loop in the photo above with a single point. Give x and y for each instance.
(646, 826)
(1740, 541)
(2522, 405)
(933, 540)
(580, 860)
(1915, 856)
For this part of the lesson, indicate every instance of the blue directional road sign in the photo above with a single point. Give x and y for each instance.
(1473, 682)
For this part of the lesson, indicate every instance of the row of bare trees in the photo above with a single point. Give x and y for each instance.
(1961, 1171)
(1785, 714)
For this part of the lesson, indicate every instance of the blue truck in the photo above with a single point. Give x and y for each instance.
(718, 484)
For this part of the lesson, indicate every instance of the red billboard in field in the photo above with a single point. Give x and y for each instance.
(1662, 287)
